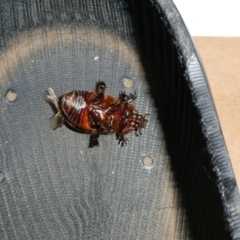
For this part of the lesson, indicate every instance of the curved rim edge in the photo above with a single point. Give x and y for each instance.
(204, 103)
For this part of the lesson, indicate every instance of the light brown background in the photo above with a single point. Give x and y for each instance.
(221, 60)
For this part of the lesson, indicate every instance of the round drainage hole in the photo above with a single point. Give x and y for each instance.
(11, 95)
(128, 82)
(148, 161)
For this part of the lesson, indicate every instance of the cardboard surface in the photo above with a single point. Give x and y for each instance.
(221, 60)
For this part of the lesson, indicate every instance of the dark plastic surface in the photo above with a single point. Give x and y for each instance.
(57, 188)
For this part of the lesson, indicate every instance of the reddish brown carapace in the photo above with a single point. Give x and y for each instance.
(96, 113)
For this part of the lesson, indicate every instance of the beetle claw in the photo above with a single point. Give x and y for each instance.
(131, 97)
(100, 87)
(124, 98)
(121, 139)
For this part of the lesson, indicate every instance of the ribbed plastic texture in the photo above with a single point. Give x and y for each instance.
(55, 187)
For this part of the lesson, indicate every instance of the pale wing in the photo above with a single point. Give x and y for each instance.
(51, 98)
(56, 121)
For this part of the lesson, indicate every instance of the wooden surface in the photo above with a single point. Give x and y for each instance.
(221, 60)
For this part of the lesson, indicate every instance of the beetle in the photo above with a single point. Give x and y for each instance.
(96, 113)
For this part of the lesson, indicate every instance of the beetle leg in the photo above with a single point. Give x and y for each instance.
(136, 132)
(131, 97)
(99, 123)
(94, 140)
(121, 139)
(100, 87)
(101, 127)
(124, 98)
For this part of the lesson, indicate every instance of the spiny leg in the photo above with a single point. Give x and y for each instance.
(123, 97)
(121, 139)
(94, 140)
(100, 87)
(131, 97)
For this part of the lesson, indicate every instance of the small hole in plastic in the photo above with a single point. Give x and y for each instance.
(2, 177)
(128, 82)
(11, 96)
(148, 162)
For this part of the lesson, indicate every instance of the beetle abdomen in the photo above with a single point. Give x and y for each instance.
(73, 105)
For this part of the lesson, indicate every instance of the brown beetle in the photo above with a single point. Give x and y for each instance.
(96, 113)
